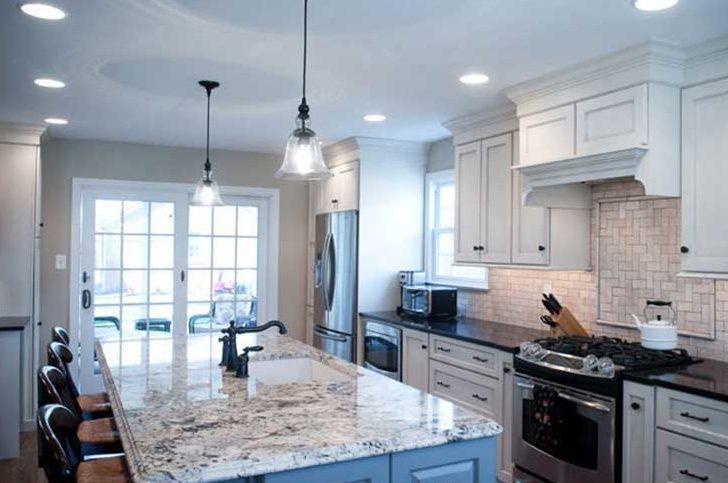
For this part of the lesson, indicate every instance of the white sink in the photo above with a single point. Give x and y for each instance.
(286, 371)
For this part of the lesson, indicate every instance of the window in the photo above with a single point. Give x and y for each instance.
(440, 236)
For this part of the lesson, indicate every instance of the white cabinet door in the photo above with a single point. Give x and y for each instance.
(345, 192)
(638, 432)
(612, 122)
(547, 136)
(530, 227)
(495, 169)
(415, 359)
(704, 177)
(467, 202)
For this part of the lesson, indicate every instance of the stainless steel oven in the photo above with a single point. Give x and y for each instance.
(571, 441)
(382, 349)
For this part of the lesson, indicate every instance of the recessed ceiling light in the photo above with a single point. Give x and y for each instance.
(49, 83)
(59, 121)
(654, 5)
(43, 10)
(473, 79)
(375, 117)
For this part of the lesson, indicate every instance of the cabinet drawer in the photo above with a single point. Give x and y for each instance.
(474, 391)
(468, 356)
(684, 460)
(612, 122)
(695, 416)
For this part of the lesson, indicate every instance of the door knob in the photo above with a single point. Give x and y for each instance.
(635, 406)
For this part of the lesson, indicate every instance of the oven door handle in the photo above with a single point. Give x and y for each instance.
(583, 402)
(525, 385)
(325, 335)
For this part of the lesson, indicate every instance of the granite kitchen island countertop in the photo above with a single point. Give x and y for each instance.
(183, 418)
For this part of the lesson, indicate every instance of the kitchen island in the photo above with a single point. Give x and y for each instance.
(302, 415)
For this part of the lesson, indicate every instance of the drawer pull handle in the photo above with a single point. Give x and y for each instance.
(693, 475)
(697, 418)
(480, 398)
(480, 359)
(440, 383)
(443, 349)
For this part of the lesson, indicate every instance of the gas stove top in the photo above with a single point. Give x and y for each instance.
(599, 357)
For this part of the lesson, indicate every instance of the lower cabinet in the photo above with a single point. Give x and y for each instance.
(682, 459)
(415, 359)
(460, 462)
(638, 432)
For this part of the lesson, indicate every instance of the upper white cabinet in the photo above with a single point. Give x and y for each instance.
(492, 226)
(339, 192)
(612, 122)
(704, 176)
(547, 136)
(468, 189)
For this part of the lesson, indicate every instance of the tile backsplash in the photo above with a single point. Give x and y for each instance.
(635, 249)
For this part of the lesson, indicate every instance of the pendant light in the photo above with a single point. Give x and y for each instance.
(207, 192)
(304, 159)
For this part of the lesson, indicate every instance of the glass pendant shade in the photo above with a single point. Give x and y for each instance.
(303, 159)
(207, 192)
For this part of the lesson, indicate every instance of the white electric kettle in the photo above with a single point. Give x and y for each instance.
(658, 333)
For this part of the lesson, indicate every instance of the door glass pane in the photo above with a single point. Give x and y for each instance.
(107, 287)
(162, 218)
(108, 216)
(135, 251)
(161, 286)
(133, 318)
(161, 252)
(108, 251)
(200, 220)
(230, 249)
(160, 320)
(136, 217)
(135, 286)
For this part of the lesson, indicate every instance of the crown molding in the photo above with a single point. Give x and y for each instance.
(481, 125)
(21, 133)
(356, 148)
(653, 61)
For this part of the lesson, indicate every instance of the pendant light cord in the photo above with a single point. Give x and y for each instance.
(303, 107)
(208, 166)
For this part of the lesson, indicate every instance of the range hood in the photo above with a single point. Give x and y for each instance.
(565, 182)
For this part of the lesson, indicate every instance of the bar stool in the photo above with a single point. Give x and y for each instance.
(59, 334)
(101, 433)
(59, 355)
(62, 459)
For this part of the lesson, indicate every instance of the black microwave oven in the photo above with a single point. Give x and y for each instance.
(430, 301)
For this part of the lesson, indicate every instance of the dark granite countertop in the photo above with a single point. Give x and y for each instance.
(708, 378)
(493, 334)
(13, 323)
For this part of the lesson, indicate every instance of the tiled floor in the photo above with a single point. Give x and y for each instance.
(25, 468)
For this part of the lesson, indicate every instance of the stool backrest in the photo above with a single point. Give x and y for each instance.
(59, 355)
(53, 389)
(60, 335)
(61, 450)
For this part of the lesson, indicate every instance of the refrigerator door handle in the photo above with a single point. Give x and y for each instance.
(331, 260)
(325, 272)
(327, 335)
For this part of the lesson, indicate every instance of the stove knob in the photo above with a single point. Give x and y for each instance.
(606, 366)
(524, 349)
(590, 363)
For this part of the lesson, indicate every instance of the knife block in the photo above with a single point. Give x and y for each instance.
(569, 324)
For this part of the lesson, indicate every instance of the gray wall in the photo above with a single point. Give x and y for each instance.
(64, 159)
(441, 156)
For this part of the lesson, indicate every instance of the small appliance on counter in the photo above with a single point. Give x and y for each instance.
(429, 301)
(412, 277)
(658, 333)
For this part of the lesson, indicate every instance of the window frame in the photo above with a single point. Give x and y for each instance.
(432, 182)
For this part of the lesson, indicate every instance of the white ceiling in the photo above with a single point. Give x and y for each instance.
(132, 65)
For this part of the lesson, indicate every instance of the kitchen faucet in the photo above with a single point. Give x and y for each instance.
(230, 358)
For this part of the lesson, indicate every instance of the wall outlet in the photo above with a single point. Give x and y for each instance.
(60, 262)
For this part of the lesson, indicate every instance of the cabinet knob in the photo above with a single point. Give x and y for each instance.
(635, 406)
(506, 370)
(481, 248)
(475, 248)
(334, 200)
(684, 249)
(541, 248)
(424, 346)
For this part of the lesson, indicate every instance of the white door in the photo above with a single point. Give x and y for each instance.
(467, 202)
(704, 175)
(130, 272)
(495, 222)
(150, 265)
(530, 226)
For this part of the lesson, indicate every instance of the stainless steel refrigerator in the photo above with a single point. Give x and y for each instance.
(335, 280)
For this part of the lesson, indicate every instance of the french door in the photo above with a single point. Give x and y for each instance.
(150, 266)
